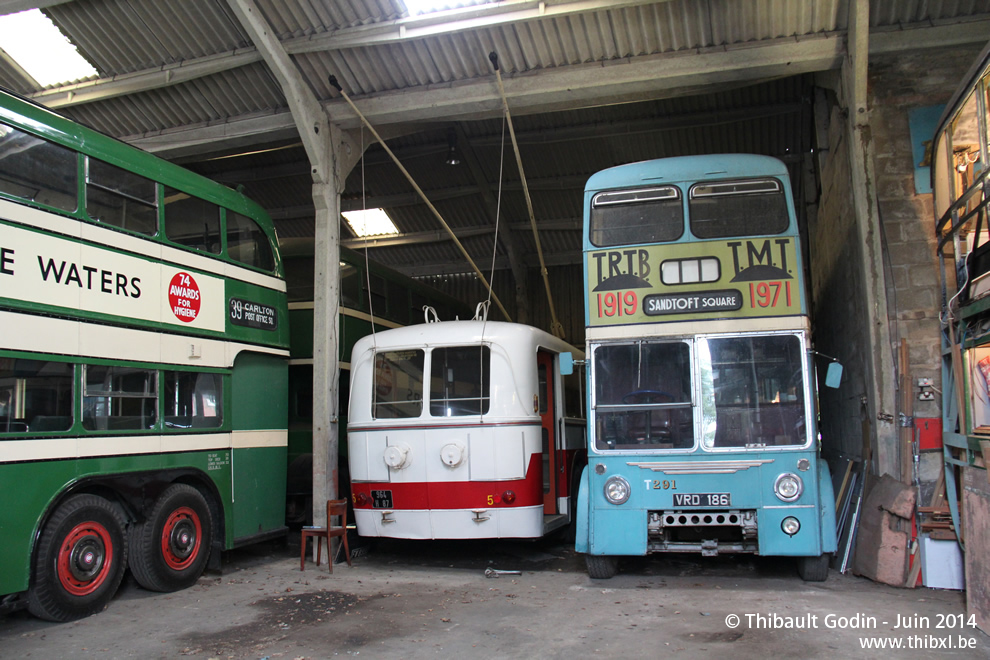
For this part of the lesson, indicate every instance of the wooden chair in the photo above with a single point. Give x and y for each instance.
(334, 508)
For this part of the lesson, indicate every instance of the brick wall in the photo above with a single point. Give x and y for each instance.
(898, 84)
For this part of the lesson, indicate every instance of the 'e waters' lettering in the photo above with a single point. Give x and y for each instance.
(89, 277)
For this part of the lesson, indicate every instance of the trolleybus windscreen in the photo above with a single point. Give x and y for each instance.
(643, 396)
(459, 381)
(398, 384)
(757, 384)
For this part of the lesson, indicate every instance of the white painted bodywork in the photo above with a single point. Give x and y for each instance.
(498, 446)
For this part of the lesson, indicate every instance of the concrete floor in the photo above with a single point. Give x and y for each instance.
(432, 600)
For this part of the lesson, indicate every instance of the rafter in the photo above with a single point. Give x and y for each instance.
(403, 29)
(883, 40)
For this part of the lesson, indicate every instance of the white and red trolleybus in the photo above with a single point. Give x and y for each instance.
(464, 429)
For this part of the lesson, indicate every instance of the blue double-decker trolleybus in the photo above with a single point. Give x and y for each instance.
(702, 404)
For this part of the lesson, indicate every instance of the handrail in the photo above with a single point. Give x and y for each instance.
(980, 185)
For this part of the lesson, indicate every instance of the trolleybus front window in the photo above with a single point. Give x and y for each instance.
(459, 381)
(752, 391)
(643, 396)
(398, 384)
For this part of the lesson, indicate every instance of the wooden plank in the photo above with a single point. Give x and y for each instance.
(938, 495)
(934, 524)
(907, 411)
(942, 535)
(845, 481)
(912, 578)
(976, 522)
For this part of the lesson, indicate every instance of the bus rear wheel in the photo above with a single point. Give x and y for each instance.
(813, 569)
(80, 560)
(601, 567)
(170, 548)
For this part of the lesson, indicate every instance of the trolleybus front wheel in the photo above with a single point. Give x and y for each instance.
(813, 569)
(601, 567)
(80, 560)
(170, 548)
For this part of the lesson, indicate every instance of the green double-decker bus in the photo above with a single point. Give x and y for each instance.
(143, 368)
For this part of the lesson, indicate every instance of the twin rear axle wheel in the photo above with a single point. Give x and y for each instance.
(85, 548)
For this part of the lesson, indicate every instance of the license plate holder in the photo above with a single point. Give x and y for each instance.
(704, 500)
(381, 499)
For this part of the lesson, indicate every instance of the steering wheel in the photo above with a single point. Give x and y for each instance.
(648, 396)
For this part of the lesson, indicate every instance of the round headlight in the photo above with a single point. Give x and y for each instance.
(788, 487)
(790, 525)
(616, 490)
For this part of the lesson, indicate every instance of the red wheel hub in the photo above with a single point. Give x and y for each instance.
(84, 559)
(181, 538)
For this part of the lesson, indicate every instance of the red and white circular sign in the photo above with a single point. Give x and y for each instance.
(183, 297)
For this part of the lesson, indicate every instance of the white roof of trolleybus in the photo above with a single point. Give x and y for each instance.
(514, 347)
(515, 336)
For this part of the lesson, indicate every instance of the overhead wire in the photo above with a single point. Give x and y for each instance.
(555, 326)
(336, 85)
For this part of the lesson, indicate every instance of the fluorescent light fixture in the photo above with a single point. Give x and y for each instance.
(33, 41)
(426, 6)
(371, 222)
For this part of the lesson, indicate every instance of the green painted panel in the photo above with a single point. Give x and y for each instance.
(259, 491)
(301, 333)
(26, 490)
(259, 392)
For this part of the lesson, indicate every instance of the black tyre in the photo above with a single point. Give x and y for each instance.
(813, 569)
(601, 567)
(170, 548)
(79, 560)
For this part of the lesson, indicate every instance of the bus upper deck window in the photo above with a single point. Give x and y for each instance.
(247, 243)
(753, 207)
(117, 197)
(629, 217)
(191, 221)
(37, 170)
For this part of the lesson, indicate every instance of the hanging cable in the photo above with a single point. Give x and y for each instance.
(498, 206)
(555, 326)
(419, 191)
(367, 260)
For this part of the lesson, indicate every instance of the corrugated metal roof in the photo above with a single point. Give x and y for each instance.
(380, 54)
